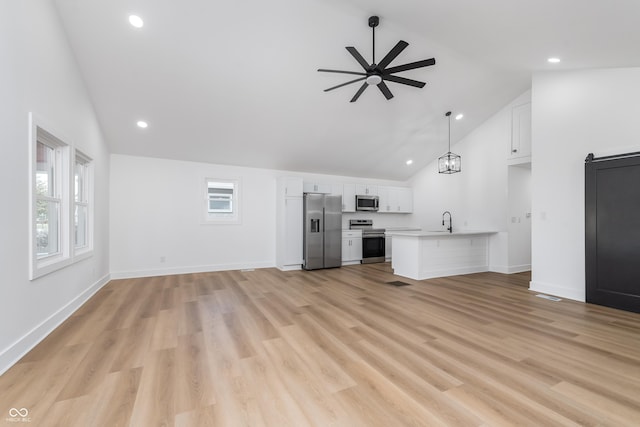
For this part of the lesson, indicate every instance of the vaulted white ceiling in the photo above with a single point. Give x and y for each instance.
(236, 82)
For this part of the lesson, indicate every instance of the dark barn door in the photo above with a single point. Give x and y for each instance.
(612, 208)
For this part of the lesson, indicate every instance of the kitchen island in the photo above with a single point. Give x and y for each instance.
(427, 254)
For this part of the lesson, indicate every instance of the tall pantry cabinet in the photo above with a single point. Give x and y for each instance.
(289, 223)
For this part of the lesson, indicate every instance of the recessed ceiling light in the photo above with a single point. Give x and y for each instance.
(136, 21)
(459, 116)
(553, 60)
(409, 162)
(142, 124)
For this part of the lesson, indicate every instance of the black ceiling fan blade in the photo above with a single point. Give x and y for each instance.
(410, 66)
(385, 90)
(393, 53)
(352, 50)
(402, 80)
(357, 73)
(359, 92)
(344, 84)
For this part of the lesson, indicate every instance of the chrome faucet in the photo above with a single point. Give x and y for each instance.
(450, 228)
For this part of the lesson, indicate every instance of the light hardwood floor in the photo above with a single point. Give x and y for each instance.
(331, 347)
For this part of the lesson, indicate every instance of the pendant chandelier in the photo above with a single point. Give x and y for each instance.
(449, 162)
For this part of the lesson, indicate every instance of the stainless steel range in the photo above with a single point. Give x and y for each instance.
(372, 240)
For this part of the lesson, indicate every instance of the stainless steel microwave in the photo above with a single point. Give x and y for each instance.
(367, 203)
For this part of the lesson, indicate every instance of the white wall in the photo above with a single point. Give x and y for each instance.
(39, 74)
(478, 196)
(574, 113)
(156, 213)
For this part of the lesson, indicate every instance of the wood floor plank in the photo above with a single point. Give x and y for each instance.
(156, 399)
(336, 347)
(193, 380)
(277, 406)
(329, 374)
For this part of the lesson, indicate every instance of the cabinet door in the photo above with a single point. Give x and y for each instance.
(387, 248)
(367, 190)
(352, 249)
(521, 131)
(346, 250)
(293, 230)
(349, 198)
(384, 193)
(356, 249)
(293, 187)
(405, 200)
(317, 187)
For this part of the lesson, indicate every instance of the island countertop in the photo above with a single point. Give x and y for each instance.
(437, 233)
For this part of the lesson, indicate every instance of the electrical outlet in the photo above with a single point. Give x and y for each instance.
(162, 259)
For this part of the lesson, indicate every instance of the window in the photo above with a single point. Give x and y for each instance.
(61, 192)
(49, 209)
(220, 197)
(81, 202)
(222, 201)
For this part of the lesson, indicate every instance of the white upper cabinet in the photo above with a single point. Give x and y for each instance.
(386, 194)
(348, 198)
(405, 200)
(292, 186)
(395, 199)
(520, 131)
(366, 190)
(317, 187)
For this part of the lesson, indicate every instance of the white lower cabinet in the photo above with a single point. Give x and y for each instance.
(387, 248)
(351, 247)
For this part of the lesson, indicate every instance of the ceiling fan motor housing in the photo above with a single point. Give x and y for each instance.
(374, 21)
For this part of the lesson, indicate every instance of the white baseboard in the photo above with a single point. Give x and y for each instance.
(510, 269)
(558, 291)
(188, 270)
(504, 269)
(455, 271)
(22, 346)
(290, 267)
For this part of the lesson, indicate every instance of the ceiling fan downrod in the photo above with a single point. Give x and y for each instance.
(373, 23)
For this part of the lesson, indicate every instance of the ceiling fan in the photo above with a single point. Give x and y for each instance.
(377, 74)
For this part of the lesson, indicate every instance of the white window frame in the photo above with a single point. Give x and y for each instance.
(213, 217)
(86, 201)
(64, 166)
(57, 183)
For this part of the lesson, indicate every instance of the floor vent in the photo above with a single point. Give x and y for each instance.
(550, 298)
(398, 283)
(246, 270)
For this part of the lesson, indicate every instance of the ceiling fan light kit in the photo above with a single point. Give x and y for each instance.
(449, 162)
(377, 74)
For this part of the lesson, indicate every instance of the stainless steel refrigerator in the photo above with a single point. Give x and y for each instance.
(322, 231)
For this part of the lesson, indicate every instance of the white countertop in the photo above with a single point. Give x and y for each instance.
(395, 229)
(443, 234)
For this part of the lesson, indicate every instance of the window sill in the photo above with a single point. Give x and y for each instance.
(47, 266)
